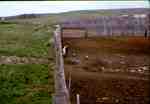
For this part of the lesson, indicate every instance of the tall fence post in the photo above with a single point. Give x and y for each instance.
(61, 92)
(104, 22)
(78, 98)
(149, 25)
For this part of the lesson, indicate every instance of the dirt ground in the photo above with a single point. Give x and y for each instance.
(112, 70)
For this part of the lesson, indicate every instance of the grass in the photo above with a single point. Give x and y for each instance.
(25, 84)
(24, 39)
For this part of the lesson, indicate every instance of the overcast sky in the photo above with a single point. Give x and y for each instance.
(8, 8)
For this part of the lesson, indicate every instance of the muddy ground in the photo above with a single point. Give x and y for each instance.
(109, 70)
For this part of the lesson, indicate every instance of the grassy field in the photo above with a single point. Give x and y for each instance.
(23, 39)
(25, 83)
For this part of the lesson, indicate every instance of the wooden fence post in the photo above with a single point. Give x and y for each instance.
(149, 25)
(104, 23)
(78, 98)
(61, 92)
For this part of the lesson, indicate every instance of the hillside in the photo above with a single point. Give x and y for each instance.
(55, 18)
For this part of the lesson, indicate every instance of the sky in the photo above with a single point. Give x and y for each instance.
(9, 8)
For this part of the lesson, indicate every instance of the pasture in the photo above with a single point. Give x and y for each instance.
(24, 79)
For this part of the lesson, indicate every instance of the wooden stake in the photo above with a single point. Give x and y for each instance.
(69, 86)
(78, 99)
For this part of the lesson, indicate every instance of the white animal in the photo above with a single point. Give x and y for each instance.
(86, 57)
(65, 49)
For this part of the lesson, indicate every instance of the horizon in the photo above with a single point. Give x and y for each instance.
(55, 7)
(70, 11)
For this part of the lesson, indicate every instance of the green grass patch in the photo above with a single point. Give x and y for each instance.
(24, 39)
(25, 84)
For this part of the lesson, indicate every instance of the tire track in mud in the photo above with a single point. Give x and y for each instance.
(106, 75)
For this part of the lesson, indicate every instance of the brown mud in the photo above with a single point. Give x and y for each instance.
(109, 70)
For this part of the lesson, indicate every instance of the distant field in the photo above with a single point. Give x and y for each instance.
(23, 39)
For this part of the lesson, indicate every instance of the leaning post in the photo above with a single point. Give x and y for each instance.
(149, 25)
(61, 92)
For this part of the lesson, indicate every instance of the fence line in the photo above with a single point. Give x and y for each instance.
(61, 92)
(109, 26)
